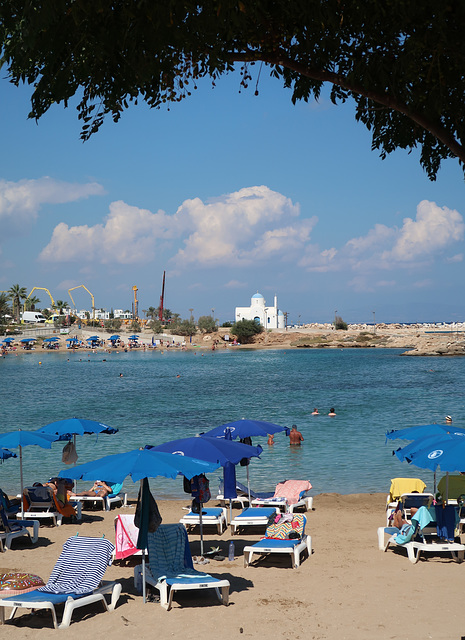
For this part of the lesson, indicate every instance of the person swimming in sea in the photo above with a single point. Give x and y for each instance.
(315, 412)
(332, 412)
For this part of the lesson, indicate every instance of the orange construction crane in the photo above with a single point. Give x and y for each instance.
(135, 311)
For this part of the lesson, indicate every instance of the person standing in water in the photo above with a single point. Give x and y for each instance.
(295, 437)
(332, 412)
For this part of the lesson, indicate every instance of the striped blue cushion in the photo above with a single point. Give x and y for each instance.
(81, 566)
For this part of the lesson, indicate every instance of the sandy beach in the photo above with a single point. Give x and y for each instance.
(348, 589)
(416, 340)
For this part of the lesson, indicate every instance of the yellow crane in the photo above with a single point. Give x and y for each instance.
(40, 289)
(92, 297)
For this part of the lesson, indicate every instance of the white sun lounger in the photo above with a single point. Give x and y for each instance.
(277, 541)
(11, 529)
(171, 568)
(210, 516)
(415, 548)
(409, 501)
(117, 497)
(42, 506)
(252, 517)
(289, 495)
(75, 582)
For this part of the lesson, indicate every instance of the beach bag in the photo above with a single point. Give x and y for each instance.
(200, 486)
(69, 455)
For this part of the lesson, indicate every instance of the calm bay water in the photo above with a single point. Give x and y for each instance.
(373, 390)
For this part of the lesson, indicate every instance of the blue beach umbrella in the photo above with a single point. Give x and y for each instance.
(8, 340)
(446, 452)
(133, 337)
(72, 427)
(28, 340)
(139, 465)
(54, 339)
(423, 431)
(245, 428)
(221, 450)
(115, 337)
(21, 439)
(76, 427)
(212, 449)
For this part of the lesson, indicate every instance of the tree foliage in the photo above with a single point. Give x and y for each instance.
(155, 325)
(4, 308)
(340, 324)
(246, 329)
(206, 324)
(402, 63)
(184, 328)
(16, 294)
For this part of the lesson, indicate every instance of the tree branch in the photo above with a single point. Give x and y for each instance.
(280, 58)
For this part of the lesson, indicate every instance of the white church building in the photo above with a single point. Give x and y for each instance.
(268, 317)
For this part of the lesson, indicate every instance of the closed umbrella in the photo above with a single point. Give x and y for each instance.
(21, 439)
(140, 464)
(5, 454)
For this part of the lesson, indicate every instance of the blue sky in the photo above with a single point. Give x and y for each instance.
(230, 194)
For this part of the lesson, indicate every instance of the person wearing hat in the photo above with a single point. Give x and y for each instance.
(448, 419)
(295, 437)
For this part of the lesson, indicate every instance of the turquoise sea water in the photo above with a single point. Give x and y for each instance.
(373, 390)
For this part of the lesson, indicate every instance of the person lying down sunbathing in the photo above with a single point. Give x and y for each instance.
(100, 489)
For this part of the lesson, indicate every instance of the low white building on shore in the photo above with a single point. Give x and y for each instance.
(268, 317)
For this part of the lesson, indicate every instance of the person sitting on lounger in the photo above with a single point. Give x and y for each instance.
(100, 489)
(397, 519)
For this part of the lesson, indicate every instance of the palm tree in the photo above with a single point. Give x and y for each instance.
(4, 307)
(151, 312)
(17, 294)
(30, 303)
(60, 305)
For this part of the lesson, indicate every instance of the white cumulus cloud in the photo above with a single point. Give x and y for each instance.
(434, 229)
(239, 228)
(21, 201)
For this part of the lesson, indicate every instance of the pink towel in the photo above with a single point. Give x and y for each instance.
(126, 534)
(291, 490)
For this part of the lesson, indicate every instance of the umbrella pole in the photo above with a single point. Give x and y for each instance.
(201, 529)
(21, 479)
(230, 510)
(75, 482)
(447, 487)
(248, 485)
(434, 484)
(144, 589)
